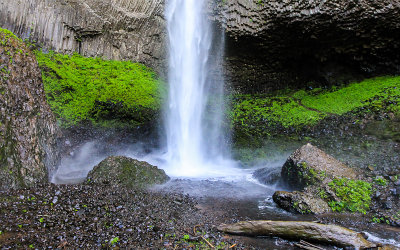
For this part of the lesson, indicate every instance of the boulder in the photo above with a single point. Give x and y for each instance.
(267, 176)
(311, 172)
(28, 129)
(309, 165)
(128, 172)
(301, 202)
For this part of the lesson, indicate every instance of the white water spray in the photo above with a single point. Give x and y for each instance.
(194, 114)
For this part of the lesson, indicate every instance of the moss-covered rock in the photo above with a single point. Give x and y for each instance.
(121, 170)
(28, 130)
(322, 184)
(291, 111)
(101, 92)
(309, 165)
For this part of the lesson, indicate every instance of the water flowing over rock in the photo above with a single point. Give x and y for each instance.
(121, 170)
(28, 129)
(118, 29)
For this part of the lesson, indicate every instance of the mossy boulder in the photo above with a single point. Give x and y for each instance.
(322, 184)
(128, 172)
(309, 165)
(28, 129)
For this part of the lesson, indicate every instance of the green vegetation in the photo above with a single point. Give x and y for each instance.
(380, 181)
(354, 195)
(101, 92)
(288, 110)
(114, 241)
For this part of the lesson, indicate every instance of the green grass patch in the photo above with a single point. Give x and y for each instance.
(354, 195)
(102, 92)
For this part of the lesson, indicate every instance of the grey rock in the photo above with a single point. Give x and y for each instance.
(28, 129)
(300, 202)
(267, 175)
(309, 165)
(119, 29)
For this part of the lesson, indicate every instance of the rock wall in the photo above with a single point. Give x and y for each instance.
(270, 44)
(275, 44)
(112, 29)
(28, 129)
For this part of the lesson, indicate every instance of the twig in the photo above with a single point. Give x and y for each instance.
(211, 245)
(194, 229)
(233, 246)
(306, 245)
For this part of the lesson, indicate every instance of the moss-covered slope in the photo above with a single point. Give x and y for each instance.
(294, 111)
(101, 92)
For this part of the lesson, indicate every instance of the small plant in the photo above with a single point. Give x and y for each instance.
(186, 237)
(380, 181)
(114, 241)
(41, 220)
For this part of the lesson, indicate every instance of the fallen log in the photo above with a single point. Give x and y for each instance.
(300, 230)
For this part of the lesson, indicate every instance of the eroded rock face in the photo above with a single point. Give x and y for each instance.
(28, 129)
(121, 170)
(116, 29)
(275, 44)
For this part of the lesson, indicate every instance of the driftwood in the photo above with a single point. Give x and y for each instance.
(300, 230)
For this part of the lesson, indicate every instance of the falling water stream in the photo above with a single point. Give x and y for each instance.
(196, 144)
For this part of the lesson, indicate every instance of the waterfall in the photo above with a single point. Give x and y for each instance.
(194, 114)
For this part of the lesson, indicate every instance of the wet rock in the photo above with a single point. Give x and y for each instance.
(267, 176)
(28, 129)
(300, 202)
(309, 165)
(121, 170)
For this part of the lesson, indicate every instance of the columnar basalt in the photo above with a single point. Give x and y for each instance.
(118, 29)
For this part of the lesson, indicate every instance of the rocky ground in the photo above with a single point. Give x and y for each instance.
(97, 216)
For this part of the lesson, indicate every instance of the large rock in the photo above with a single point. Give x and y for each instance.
(28, 129)
(309, 171)
(121, 170)
(309, 165)
(274, 44)
(117, 29)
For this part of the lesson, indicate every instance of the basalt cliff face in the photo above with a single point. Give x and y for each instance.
(112, 29)
(270, 44)
(28, 129)
(279, 43)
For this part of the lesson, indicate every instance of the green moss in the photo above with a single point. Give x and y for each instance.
(262, 114)
(354, 195)
(102, 92)
(5, 36)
